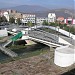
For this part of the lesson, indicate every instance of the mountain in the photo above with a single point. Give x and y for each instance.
(29, 8)
(40, 11)
(59, 12)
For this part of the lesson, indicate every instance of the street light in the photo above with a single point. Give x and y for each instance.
(58, 29)
(69, 30)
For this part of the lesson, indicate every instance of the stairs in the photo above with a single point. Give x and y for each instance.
(8, 52)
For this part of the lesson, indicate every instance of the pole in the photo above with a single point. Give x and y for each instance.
(49, 55)
(13, 43)
(69, 31)
(55, 32)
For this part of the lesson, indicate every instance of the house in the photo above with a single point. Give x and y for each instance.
(51, 17)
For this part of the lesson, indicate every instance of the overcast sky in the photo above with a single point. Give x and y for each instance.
(45, 3)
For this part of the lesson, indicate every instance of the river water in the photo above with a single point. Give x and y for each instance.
(25, 51)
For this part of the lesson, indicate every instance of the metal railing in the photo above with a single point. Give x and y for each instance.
(44, 36)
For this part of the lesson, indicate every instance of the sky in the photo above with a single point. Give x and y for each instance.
(45, 3)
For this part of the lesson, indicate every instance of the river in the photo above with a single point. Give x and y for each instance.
(28, 51)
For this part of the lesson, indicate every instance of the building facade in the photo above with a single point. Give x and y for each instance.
(69, 20)
(40, 20)
(28, 18)
(60, 20)
(51, 17)
(6, 14)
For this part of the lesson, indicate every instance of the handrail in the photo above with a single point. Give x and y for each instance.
(47, 40)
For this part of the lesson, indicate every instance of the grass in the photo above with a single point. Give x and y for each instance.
(25, 55)
(1, 38)
(31, 54)
(16, 47)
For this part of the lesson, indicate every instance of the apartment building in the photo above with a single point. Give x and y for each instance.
(51, 17)
(28, 18)
(40, 20)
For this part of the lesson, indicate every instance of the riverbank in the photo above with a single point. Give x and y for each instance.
(24, 52)
(37, 65)
(34, 59)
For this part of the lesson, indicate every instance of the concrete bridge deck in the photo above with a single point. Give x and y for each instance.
(45, 38)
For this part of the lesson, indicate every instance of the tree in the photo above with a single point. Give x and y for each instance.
(12, 20)
(18, 21)
(29, 24)
(4, 19)
(0, 19)
(45, 22)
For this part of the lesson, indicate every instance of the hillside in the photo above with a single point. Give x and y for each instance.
(42, 11)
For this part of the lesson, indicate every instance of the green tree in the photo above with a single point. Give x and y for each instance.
(4, 19)
(72, 30)
(29, 24)
(45, 22)
(52, 24)
(0, 19)
(18, 21)
(12, 20)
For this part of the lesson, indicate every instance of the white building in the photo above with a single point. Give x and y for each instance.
(28, 18)
(3, 33)
(6, 14)
(51, 17)
(74, 21)
(40, 20)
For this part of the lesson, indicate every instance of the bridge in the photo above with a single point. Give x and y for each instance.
(62, 36)
(65, 50)
(45, 38)
(50, 39)
(63, 41)
(54, 38)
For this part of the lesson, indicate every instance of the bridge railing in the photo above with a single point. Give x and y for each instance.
(44, 34)
(47, 39)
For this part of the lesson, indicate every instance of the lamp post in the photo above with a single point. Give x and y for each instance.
(71, 39)
(69, 30)
(58, 30)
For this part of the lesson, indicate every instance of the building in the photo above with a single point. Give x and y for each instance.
(3, 33)
(74, 21)
(6, 14)
(60, 19)
(51, 17)
(18, 15)
(69, 20)
(28, 18)
(40, 20)
(2, 12)
(14, 14)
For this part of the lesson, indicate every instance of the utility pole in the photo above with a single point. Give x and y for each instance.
(69, 30)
